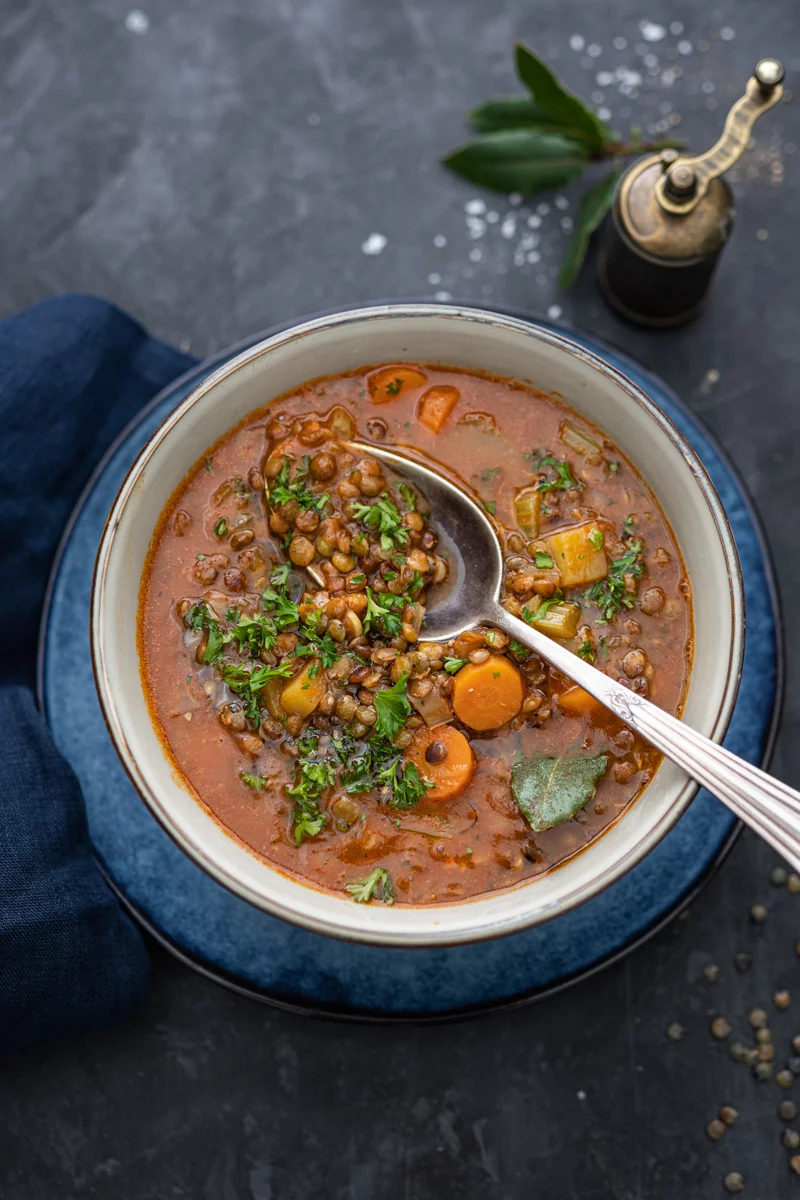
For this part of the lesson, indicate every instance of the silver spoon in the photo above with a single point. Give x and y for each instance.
(475, 558)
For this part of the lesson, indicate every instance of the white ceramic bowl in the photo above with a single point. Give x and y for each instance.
(418, 333)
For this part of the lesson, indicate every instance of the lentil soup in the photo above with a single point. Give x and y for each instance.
(282, 637)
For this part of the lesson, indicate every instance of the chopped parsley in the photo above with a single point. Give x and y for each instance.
(393, 706)
(543, 560)
(284, 488)
(408, 787)
(378, 884)
(491, 507)
(394, 387)
(280, 576)
(247, 682)
(563, 478)
(256, 782)
(628, 523)
(253, 634)
(586, 651)
(199, 617)
(489, 474)
(409, 495)
(522, 652)
(596, 538)
(452, 665)
(384, 517)
(221, 527)
(312, 777)
(380, 615)
(284, 611)
(611, 594)
(614, 468)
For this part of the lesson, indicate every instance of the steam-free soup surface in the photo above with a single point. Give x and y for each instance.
(283, 639)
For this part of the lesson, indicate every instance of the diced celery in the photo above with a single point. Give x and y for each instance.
(527, 507)
(577, 439)
(560, 620)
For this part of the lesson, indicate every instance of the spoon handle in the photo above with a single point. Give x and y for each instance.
(768, 806)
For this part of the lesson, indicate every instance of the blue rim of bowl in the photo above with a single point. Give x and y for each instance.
(194, 376)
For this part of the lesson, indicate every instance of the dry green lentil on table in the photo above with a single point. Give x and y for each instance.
(291, 576)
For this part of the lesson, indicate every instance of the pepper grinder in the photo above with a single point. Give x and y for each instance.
(672, 215)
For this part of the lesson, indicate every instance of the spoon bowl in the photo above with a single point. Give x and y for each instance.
(769, 807)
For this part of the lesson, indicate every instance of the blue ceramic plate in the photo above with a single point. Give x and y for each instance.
(253, 952)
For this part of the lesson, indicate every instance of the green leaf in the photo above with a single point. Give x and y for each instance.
(378, 884)
(393, 706)
(520, 160)
(513, 112)
(547, 90)
(593, 207)
(551, 790)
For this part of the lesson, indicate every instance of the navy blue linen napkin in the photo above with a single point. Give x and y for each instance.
(74, 370)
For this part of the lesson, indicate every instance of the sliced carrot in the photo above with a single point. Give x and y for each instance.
(575, 702)
(486, 695)
(443, 757)
(391, 382)
(436, 405)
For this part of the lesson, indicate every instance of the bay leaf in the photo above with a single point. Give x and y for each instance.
(551, 790)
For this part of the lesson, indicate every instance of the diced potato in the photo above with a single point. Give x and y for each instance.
(560, 620)
(577, 439)
(577, 556)
(302, 694)
(272, 698)
(527, 509)
(436, 405)
(575, 702)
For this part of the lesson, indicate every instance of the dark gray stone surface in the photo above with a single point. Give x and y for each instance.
(219, 170)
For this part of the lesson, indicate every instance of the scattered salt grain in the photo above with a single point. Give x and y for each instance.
(554, 312)
(594, 51)
(137, 21)
(492, 217)
(676, 27)
(576, 42)
(314, 118)
(726, 33)
(620, 43)
(651, 32)
(475, 208)
(440, 240)
(434, 279)
(685, 47)
(375, 244)
(443, 296)
(561, 202)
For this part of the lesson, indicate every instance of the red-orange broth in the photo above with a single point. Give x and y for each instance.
(530, 459)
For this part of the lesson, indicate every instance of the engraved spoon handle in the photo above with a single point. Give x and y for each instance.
(768, 806)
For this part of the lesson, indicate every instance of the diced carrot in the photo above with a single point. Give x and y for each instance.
(443, 757)
(486, 695)
(391, 382)
(575, 702)
(436, 405)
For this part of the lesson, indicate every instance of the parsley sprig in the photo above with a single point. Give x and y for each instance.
(384, 517)
(378, 884)
(393, 706)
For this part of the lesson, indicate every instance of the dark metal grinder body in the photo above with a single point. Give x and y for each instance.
(673, 214)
